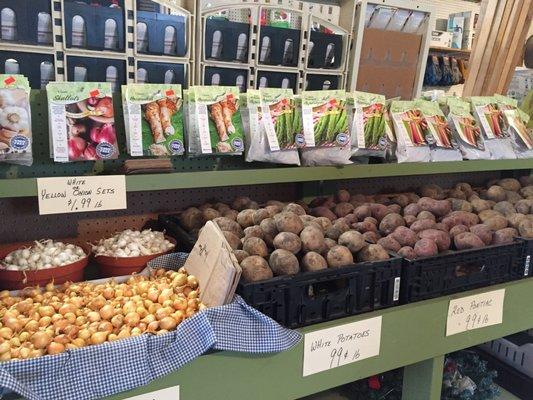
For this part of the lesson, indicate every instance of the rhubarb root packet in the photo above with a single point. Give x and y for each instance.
(410, 128)
(81, 121)
(515, 123)
(15, 120)
(154, 119)
(214, 110)
(367, 121)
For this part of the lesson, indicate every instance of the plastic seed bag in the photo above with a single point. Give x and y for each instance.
(466, 130)
(515, 123)
(490, 118)
(325, 127)
(409, 126)
(15, 120)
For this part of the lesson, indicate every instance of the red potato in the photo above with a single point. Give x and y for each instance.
(351, 218)
(460, 218)
(313, 262)
(413, 197)
(426, 215)
(317, 202)
(343, 209)
(426, 248)
(365, 226)
(390, 222)
(342, 196)
(465, 188)
(339, 256)
(371, 237)
(442, 239)
(283, 262)
(394, 208)
(371, 220)
(467, 240)
(405, 236)
(438, 208)
(409, 219)
(288, 241)
(457, 229)
(295, 208)
(323, 212)
(483, 232)
(362, 212)
(505, 235)
(402, 200)
(255, 268)
(357, 198)
(422, 224)
(456, 194)
(389, 243)
(441, 227)
(407, 252)
(378, 211)
(411, 209)
(253, 205)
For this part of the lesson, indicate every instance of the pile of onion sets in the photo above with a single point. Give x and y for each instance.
(130, 243)
(52, 320)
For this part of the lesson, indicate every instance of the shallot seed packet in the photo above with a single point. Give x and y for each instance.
(153, 119)
(81, 121)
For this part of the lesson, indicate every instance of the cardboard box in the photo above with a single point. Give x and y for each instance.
(440, 39)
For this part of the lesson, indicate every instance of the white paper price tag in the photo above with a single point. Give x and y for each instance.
(171, 393)
(333, 347)
(81, 194)
(473, 312)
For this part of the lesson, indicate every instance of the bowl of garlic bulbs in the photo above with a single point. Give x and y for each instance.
(40, 262)
(129, 251)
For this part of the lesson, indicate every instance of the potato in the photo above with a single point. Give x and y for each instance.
(479, 205)
(411, 209)
(496, 193)
(254, 231)
(467, 240)
(209, 214)
(483, 232)
(230, 214)
(328, 244)
(362, 212)
(205, 206)
(307, 218)
(221, 207)
(330, 202)
(460, 218)
(276, 203)
(426, 215)
(390, 222)
(350, 219)
(357, 199)
(268, 226)
(405, 236)
(441, 238)
(413, 197)
(379, 211)
(526, 228)
(240, 203)
(283, 262)
(246, 218)
(371, 237)
(240, 255)
(371, 220)
(486, 214)
(512, 197)
(259, 215)
(505, 235)
(339, 256)
(232, 239)
(342, 196)
(313, 261)
(401, 199)
(333, 232)
(317, 202)
(441, 227)
(324, 222)
(456, 194)
(407, 252)
(255, 268)
(460, 205)
(343, 209)
(365, 226)
(504, 207)
(353, 240)
(389, 243)
(526, 180)
(496, 223)
(510, 184)
(255, 246)
(323, 212)
(524, 206)
(422, 224)
(382, 199)
(191, 218)
(457, 229)
(372, 252)
(312, 239)
(465, 188)
(409, 219)
(342, 224)
(273, 210)
(426, 248)
(288, 221)
(253, 205)
(515, 219)
(438, 208)
(294, 208)
(226, 224)
(433, 191)
(288, 241)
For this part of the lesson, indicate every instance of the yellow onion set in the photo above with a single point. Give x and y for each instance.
(54, 319)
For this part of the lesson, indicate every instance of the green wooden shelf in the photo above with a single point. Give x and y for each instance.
(182, 180)
(412, 335)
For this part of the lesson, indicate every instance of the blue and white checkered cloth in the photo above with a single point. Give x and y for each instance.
(95, 372)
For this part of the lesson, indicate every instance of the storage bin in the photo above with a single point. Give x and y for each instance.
(156, 72)
(279, 46)
(226, 40)
(93, 69)
(161, 34)
(21, 23)
(322, 82)
(325, 50)
(217, 76)
(38, 68)
(274, 79)
(515, 351)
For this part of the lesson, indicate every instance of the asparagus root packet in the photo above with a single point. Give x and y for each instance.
(81, 121)
(154, 119)
(515, 123)
(410, 128)
(15, 120)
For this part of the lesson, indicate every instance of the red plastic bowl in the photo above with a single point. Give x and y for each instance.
(13, 280)
(119, 266)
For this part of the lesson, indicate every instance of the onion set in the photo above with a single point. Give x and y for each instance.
(131, 243)
(40, 321)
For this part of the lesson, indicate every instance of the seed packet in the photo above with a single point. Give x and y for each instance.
(81, 121)
(515, 123)
(490, 118)
(154, 119)
(410, 129)
(258, 141)
(466, 130)
(214, 112)
(15, 120)
(367, 125)
(438, 133)
(325, 128)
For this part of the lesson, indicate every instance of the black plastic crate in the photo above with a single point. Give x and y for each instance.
(527, 254)
(458, 271)
(170, 223)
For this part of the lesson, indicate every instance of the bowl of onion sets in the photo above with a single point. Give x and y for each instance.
(129, 251)
(40, 262)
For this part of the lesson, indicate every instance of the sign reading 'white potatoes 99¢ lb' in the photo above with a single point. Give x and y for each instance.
(81, 194)
(344, 344)
(474, 312)
(171, 393)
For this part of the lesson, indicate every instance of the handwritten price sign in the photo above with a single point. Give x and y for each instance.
(171, 393)
(81, 194)
(344, 344)
(474, 312)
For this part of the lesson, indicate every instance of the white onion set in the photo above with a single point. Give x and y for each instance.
(51, 320)
(130, 243)
(44, 254)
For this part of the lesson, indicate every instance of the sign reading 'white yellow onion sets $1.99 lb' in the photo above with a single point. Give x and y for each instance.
(171, 393)
(81, 194)
(340, 345)
(474, 312)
